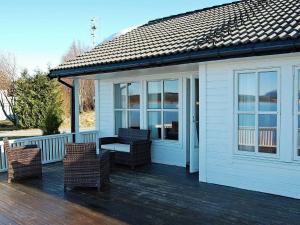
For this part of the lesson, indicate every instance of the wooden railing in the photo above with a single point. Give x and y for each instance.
(52, 146)
(88, 136)
(267, 136)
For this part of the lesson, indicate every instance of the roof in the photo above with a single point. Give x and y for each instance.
(231, 30)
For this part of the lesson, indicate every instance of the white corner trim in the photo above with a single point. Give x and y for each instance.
(202, 123)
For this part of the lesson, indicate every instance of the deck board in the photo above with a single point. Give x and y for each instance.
(156, 194)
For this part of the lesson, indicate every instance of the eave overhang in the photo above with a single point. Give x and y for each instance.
(240, 51)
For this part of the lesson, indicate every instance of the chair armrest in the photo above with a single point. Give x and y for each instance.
(108, 140)
(139, 146)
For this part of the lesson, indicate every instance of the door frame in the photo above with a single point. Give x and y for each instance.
(193, 155)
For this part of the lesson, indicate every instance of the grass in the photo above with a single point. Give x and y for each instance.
(87, 120)
(17, 137)
(6, 125)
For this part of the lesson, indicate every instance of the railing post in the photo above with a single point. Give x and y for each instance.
(76, 109)
(97, 108)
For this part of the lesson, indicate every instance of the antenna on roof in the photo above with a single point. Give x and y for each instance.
(93, 30)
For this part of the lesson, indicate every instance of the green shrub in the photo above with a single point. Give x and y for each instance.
(52, 122)
(35, 96)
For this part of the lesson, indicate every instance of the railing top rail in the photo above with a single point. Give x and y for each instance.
(41, 137)
(88, 131)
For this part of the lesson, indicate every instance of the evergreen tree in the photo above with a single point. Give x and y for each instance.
(38, 102)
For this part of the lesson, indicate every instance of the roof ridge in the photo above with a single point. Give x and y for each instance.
(154, 21)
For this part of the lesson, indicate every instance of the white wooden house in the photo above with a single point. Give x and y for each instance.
(217, 87)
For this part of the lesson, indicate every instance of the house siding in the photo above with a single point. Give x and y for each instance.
(165, 152)
(219, 163)
(279, 175)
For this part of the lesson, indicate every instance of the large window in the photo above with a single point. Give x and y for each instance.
(257, 112)
(127, 105)
(162, 109)
(298, 114)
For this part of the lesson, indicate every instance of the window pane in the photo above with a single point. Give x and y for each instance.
(171, 94)
(267, 133)
(120, 96)
(197, 112)
(154, 124)
(298, 133)
(246, 134)
(120, 120)
(299, 90)
(268, 91)
(134, 119)
(247, 89)
(171, 125)
(134, 95)
(154, 95)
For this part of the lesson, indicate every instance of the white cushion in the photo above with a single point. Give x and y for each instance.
(108, 147)
(122, 147)
(116, 147)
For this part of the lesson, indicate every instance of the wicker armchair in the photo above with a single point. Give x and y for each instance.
(83, 168)
(132, 147)
(23, 162)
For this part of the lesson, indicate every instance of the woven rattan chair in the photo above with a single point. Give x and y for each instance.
(138, 143)
(23, 162)
(83, 168)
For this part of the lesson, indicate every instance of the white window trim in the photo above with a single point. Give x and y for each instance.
(257, 112)
(126, 110)
(162, 110)
(296, 113)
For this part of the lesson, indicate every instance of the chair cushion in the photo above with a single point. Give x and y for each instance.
(122, 147)
(116, 147)
(108, 147)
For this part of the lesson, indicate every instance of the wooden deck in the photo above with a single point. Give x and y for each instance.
(154, 195)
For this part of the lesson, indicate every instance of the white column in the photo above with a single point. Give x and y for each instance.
(76, 86)
(202, 123)
(97, 109)
(286, 117)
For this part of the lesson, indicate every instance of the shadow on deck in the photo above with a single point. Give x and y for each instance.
(156, 194)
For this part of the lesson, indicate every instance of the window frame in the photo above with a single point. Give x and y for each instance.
(296, 112)
(162, 109)
(256, 113)
(127, 109)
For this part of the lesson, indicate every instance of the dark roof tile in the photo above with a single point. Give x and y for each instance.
(237, 23)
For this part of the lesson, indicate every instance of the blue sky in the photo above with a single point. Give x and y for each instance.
(39, 32)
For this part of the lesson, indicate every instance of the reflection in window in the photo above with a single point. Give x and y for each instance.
(267, 91)
(120, 120)
(120, 96)
(171, 94)
(246, 123)
(171, 125)
(133, 95)
(134, 119)
(298, 135)
(154, 124)
(247, 90)
(298, 130)
(257, 118)
(127, 105)
(267, 133)
(154, 95)
(166, 114)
